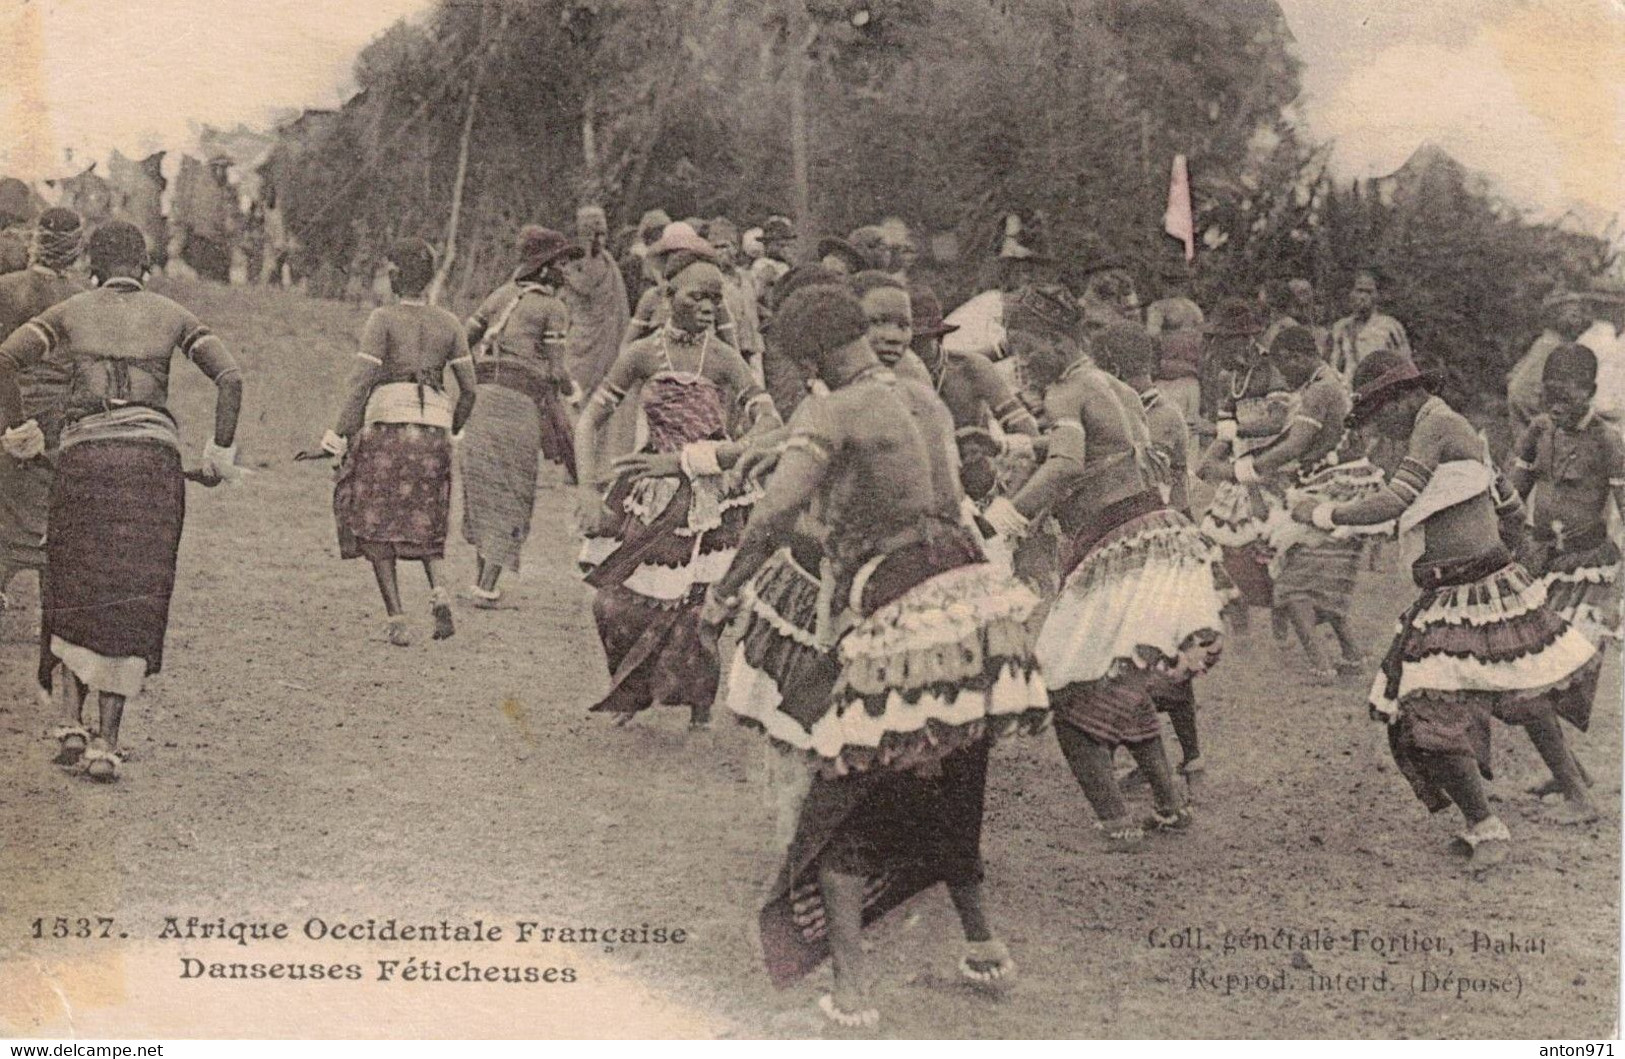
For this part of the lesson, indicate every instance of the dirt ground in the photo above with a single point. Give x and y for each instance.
(290, 764)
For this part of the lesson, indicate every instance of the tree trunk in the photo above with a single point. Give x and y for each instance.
(802, 34)
(449, 257)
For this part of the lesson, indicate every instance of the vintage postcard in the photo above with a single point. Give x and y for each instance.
(811, 519)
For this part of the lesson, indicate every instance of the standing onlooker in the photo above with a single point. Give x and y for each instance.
(1566, 320)
(635, 273)
(1175, 321)
(1365, 330)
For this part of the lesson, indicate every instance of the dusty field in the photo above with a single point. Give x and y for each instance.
(290, 764)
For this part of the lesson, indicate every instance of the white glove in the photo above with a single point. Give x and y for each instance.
(221, 463)
(1003, 517)
(23, 442)
(335, 445)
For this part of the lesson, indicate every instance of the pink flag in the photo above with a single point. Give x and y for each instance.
(1178, 221)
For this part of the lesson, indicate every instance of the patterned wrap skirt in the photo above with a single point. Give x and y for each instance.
(116, 513)
(1479, 643)
(392, 498)
(500, 457)
(1137, 615)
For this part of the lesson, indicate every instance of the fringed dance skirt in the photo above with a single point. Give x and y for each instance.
(677, 537)
(894, 724)
(930, 666)
(1138, 610)
(392, 499)
(116, 512)
(1479, 643)
(1240, 515)
(500, 455)
(780, 680)
(1582, 583)
(25, 497)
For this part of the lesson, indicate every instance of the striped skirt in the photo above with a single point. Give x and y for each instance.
(500, 457)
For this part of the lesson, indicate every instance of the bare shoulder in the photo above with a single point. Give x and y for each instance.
(1445, 434)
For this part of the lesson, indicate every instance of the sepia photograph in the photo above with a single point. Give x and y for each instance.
(811, 520)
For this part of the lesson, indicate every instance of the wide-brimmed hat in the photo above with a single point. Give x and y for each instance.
(681, 236)
(834, 246)
(927, 313)
(1234, 317)
(539, 247)
(1382, 376)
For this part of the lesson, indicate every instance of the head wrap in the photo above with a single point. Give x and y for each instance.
(59, 239)
(818, 319)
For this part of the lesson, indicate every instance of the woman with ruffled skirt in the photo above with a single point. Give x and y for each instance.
(887, 673)
(662, 525)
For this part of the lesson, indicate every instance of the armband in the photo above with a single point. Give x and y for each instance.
(1245, 472)
(1225, 431)
(1321, 516)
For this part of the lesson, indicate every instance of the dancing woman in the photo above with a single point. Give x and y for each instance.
(118, 500)
(653, 544)
(1138, 612)
(917, 657)
(1253, 408)
(392, 499)
(519, 338)
(1314, 572)
(1480, 641)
